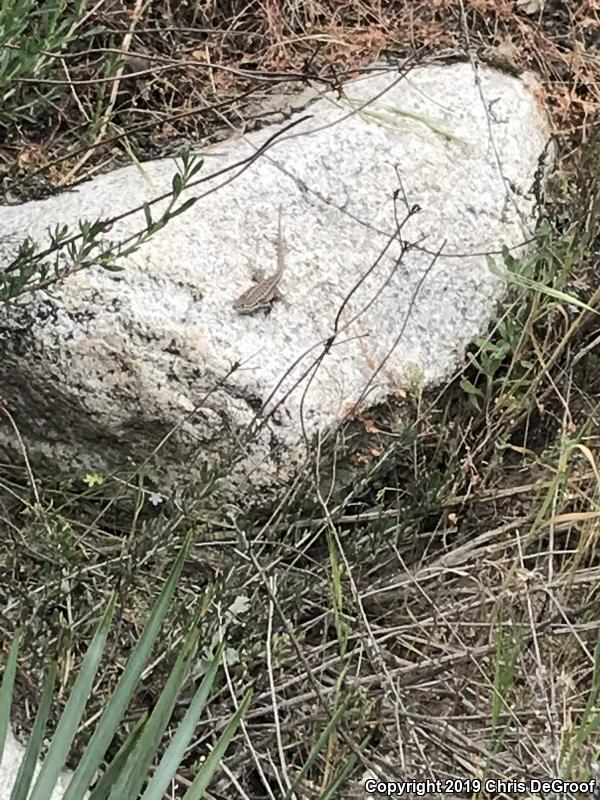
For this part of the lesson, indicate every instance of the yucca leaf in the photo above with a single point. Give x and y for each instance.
(136, 769)
(34, 744)
(67, 726)
(114, 769)
(111, 718)
(209, 767)
(175, 751)
(6, 689)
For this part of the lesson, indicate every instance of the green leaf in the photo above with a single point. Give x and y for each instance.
(148, 215)
(34, 744)
(183, 207)
(470, 388)
(63, 737)
(111, 267)
(6, 689)
(136, 769)
(205, 775)
(111, 718)
(177, 185)
(174, 753)
(112, 772)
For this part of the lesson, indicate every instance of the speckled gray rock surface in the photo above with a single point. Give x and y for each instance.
(102, 368)
(9, 767)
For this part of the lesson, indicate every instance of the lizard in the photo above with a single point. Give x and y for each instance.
(265, 289)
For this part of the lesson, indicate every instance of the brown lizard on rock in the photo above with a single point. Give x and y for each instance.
(266, 289)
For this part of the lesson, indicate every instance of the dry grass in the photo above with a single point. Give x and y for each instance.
(143, 80)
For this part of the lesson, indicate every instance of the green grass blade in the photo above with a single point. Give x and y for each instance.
(536, 286)
(507, 653)
(206, 772)
(63, 737)
(589, 722)
(319, 745)
(331, 790)
(114, 769)
(109, 722)
(176, 749)
(6, 689)
(138, 764)
(34, 745)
